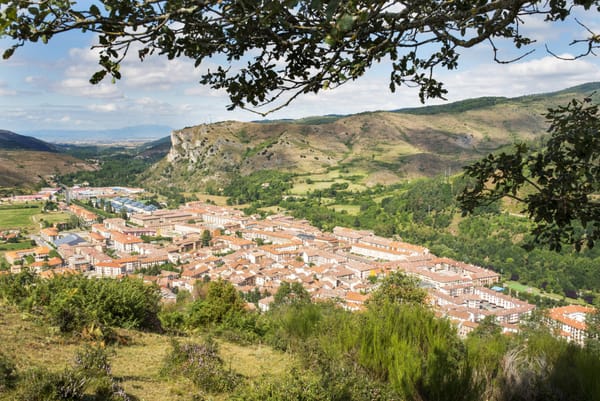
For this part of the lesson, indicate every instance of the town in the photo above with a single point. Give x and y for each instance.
(207, 242)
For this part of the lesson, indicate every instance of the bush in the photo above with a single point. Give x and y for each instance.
(89, 379)
(8, 373)
(43, 385)
(73, 303)
(92, 361)
(202, 365)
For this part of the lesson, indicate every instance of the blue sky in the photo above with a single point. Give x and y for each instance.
(46, 86)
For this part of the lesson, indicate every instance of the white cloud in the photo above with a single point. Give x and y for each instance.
(548, 67)
(102, 108)
(202, 90)
(528, 77)
(156, 73)
(5, 90)
(82, 87)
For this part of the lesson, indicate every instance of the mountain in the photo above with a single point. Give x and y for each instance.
(11, 141)
(136, 133)
(26, 161)
(155, 149)
(378, 147)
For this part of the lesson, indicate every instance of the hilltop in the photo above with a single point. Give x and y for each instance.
(11, 141)
(25, 160)
(382, 147)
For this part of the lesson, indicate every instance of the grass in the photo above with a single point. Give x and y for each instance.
(217, 199)
(52, 217)
(515, 286)
(15, 246)
(352, 210)
(17, 217)
(136, 365)
(353, 177)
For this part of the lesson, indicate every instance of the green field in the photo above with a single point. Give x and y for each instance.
(15, 246)
(52, 217)
(352, 210)
(515, 286)
(17, 216)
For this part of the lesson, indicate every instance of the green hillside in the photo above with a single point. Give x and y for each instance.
(11, 141)
(380, 147)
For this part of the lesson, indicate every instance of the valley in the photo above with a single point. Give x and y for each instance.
(323, 225)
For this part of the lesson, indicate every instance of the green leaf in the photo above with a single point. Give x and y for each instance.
(8, 53)
(97, 77)
(94, 10)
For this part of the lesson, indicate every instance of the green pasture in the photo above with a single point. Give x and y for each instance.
(352, 210)
(305, 184)
(52, 217)
(17, 217)
(515, 286)
(15, 246)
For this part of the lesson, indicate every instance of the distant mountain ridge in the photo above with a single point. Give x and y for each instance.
(380, 147)
(12, 141)
(137, 133)
(25, 161)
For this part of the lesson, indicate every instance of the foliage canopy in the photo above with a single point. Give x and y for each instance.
(276, 50)
(559, 184)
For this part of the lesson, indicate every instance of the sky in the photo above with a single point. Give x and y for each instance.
(45, 87)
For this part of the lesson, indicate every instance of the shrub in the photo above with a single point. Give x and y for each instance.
(72, 303)
(43, 385)
(201, 364)
(8, 373)
(92, 361)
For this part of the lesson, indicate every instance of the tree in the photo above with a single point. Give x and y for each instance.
(558, 184)
(222, 302)
(593, 331)
(398, 288)
(291, 293)
(206, 238)
(277, 50)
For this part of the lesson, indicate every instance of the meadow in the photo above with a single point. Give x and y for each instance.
(18, 216)
(136, 364)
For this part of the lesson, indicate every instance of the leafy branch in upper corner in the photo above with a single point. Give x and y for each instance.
(559, 184)
(274, 50)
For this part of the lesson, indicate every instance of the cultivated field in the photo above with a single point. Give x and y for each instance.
(18, 216)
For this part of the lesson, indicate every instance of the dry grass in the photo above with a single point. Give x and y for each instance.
(217, 199)
(22, 168)
(352, 210)
(137, 365)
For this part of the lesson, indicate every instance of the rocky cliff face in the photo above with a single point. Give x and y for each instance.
(215, 152)
(382, 147)
(205, 147)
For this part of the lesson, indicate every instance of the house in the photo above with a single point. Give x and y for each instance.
(265, 304)
(109, 269)
(49, 234)
(88, 218)
(569, 322)
(124, 243)
(69, 239)
(61, 271)
(39, 254)
(42, 265)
